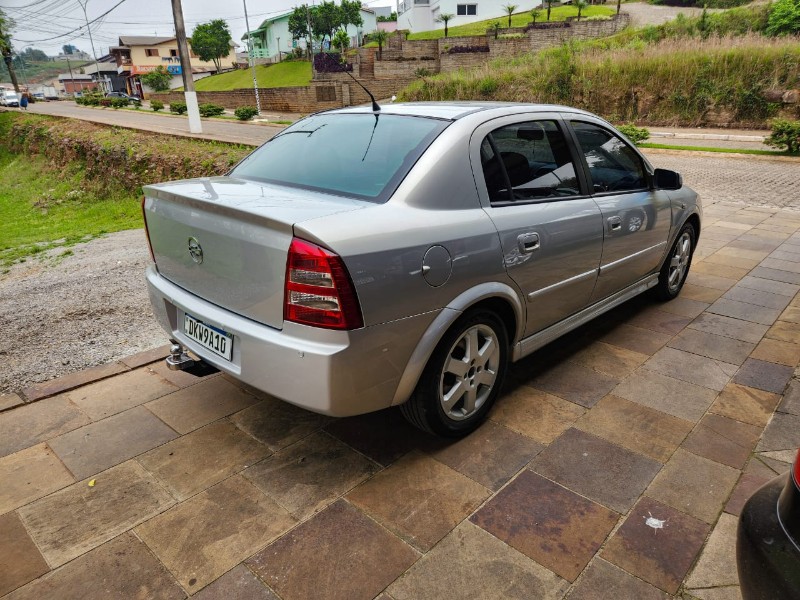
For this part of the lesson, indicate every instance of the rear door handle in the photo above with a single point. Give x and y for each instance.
(528, 242)
(614, 223)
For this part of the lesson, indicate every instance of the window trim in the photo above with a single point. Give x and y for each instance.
(466, 9)
(151, 52)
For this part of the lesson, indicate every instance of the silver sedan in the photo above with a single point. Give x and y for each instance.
(367, 258)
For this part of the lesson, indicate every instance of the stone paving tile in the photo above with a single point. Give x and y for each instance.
(791, 399)
(779, 460)
(485, 568)
(763, 375)
(684, 307)
(768, 285)
(491, 455)
(103, 444)
(729, 327)
(278, 424)
(597, 469)
(737, 262)
(745, 311)
(659, 321)
(306, 477)
(758, 297)
(784, 353)
(237, 584)
(8, 401)
(781, 265)
(72, 381)
(383, 436)
(791, 314)
(111, 396)
(782, 433)
(144, 358)
(181, 379)
(722, 267)
(20, 561)
(636, 339)
(535, 414)
(717, 564)
(340, 554)
(123, 568)
(671, 396)
(692, 368)
(419, 499)
(656, 543)
(34, 423)
(548, 523)
(776, 275)
(700, 293)
(201, 404)
(575, 383)
(612, 360)
(785, 331)
(717, 347)
(74, 520)
(723, 440)
(745, 404)
(748, 484)
(202, 538)
(203, 458)
(694, 485)
(786, 255)
(603, 581)
(28, 475)
(655, 434)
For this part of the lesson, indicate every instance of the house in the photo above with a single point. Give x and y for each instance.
(139, 54)
(75, 83)
(421, 15)
(272, 38)
(105, 71)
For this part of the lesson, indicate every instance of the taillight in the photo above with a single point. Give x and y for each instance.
(318, 289)
(797, 469)
(147, 232)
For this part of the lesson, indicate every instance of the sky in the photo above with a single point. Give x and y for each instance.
(50, 24)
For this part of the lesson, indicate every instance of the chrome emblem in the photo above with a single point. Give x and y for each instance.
(195, 250)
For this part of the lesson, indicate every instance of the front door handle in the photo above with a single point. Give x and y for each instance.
(528, 242)
(615, 223)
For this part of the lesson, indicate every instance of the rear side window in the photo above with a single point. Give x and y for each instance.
(361, 155)
(613, 165)
(528, 161)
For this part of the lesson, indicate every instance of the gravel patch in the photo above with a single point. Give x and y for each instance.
(59, 315)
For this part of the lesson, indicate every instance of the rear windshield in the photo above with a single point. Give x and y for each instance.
(361, 155)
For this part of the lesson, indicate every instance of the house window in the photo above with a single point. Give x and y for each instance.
(151, 51)
(173, 52)
(466, 9)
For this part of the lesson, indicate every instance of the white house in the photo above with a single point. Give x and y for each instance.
(421, 15)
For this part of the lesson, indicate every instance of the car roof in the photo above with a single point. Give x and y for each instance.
(456, 110)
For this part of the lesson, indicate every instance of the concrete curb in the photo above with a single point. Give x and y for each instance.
(709, 136)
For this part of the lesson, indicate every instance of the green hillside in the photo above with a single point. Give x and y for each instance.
(38, 72)
(285, 74)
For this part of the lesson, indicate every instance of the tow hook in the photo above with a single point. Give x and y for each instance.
(178, 360)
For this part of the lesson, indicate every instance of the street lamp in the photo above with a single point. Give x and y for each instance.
(83, 4)
(252, 57)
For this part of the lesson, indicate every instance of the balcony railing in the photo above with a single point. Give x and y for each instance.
(259, 53)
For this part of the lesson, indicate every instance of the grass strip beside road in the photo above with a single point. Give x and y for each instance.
(715, 149)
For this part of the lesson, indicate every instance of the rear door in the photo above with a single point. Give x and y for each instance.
(636, 218)
(550, 228)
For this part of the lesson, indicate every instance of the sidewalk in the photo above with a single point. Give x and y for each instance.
(618, 458)
(744, 139)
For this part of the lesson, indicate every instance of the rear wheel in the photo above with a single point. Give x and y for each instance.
(676, 267)
(462, 378)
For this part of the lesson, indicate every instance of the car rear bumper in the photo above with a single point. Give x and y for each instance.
(767, 558)
(337, 373)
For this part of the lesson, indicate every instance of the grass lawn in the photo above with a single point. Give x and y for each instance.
(558, 13)
(43, 208)
(285, 74)
(715, 149)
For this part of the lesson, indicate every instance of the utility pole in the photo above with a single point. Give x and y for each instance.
(83, 4)
(195, 126)
(251, 58)
(72, 78)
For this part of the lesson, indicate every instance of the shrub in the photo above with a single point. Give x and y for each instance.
(211, 110)
(785, 135)
(635, 134)
(119, 102)
(245, 113)
(105, 102)
(784, 18)
(156, 105)
(330, 62)
(466, 49)
(178, 108)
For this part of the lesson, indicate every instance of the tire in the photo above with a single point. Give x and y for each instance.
(462, 378)
(677, 264)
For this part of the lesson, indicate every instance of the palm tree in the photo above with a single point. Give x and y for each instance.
(495, 26)
(509, 8)
(549, 6)
(619, 2)
(380, 36)
(580, 5)
(535, 13)
(445, 18)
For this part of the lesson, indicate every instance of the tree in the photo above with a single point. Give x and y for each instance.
(549, 4)
(580, 5)
(350, 11)
(535, 13)
(6, 48)
(509, 8)
(298, 25)
(211, 41)
(619, 5)
(157, 80)
(445, 18)
(495, 26)
(380, 36)
(32, 54)
(341, 41)
(325, 19)
(784, 18)
(390, 19)
(69, 49)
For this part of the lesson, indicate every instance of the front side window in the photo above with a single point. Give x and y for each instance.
(528, 161)
(466, 9)
(363, 155)
(151, 51)
(613, 165)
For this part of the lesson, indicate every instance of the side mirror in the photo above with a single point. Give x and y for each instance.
(667, 180)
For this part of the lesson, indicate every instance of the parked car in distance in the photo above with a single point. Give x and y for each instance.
(9, 99)
(133, 99)
(768, 541)
(363, 258)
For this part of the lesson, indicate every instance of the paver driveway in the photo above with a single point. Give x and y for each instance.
(614, 466)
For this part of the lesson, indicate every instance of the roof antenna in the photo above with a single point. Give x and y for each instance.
(375, 107)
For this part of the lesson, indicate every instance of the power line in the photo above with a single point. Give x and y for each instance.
(74, 30)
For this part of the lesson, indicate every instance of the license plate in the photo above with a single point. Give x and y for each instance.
(211, 338)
